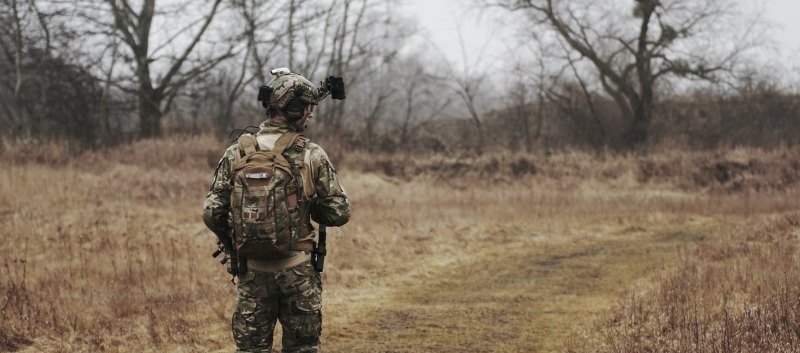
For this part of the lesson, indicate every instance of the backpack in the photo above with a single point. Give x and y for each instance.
(267, 197)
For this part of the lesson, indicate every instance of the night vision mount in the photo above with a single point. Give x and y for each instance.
(333, 85)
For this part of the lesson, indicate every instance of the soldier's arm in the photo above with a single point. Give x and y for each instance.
(330, 205)
(217, 207)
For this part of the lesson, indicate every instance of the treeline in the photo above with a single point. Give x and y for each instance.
(100, 72)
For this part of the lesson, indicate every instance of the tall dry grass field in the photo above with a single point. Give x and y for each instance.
(735, 293)
(106, 252)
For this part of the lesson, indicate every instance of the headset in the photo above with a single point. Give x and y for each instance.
(294, 109)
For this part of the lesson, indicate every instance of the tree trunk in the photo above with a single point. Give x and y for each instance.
(335, 118)
(225, 116)
(290, 32)
(526, 130)
(467, 96)
(407, 117)
(481, 138)
(643, 103)
(637, 132)
(149, 115)
(540, 115)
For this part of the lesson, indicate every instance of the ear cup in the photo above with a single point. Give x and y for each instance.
(294, 109)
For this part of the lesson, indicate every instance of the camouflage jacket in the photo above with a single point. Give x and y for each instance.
(327, 199)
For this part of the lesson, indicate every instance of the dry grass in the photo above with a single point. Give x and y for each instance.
(107, 253)
(737, 293)
(741, 169)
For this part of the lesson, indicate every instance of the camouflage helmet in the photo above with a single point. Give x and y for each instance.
(287, 85)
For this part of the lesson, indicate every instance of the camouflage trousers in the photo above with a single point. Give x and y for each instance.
(292, 296)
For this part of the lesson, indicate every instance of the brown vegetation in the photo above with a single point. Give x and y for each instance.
(735, 293)
(741, 169)
(105, 252)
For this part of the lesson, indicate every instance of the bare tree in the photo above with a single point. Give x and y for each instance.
(356, 39)
(265, 27)
(45, 88)
(541, 87)
(270, 36)
(467, 85)
(345, 52)
(156, 95)
(292, 33)
(520, 112)
(228, 89)
(467, 88)
(316, 38)
(107, 87)
(571, 95)
(375, 110)
(421, 98)
(630, 64)
(12, 46)
(24, 29)
(534, 78)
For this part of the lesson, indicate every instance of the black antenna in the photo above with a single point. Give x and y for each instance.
(240, 133)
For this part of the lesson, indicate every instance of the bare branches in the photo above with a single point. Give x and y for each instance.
(630, 63)
(17, 27)
(134, 29)
(165, 82)
(290, 31)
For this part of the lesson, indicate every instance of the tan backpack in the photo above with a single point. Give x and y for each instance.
(267, 197)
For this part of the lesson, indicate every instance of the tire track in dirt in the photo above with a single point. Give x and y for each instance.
(519, 297)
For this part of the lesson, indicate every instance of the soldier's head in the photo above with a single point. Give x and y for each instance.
(290, 98)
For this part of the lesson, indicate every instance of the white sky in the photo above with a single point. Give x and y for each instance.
(786, 16)
(439, 21)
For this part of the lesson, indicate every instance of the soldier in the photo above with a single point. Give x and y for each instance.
(272, 232)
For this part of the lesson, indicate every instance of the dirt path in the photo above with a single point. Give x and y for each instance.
(523, 296)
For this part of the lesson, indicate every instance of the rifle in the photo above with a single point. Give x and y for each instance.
(319, 252)
(231, 258)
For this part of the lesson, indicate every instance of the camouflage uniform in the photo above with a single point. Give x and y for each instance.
(289, 290)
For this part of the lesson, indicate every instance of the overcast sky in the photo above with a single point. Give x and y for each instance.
(440, 19)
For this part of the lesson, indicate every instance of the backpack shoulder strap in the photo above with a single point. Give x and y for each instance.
(247, 144)
(283, 142)
(297, 142)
